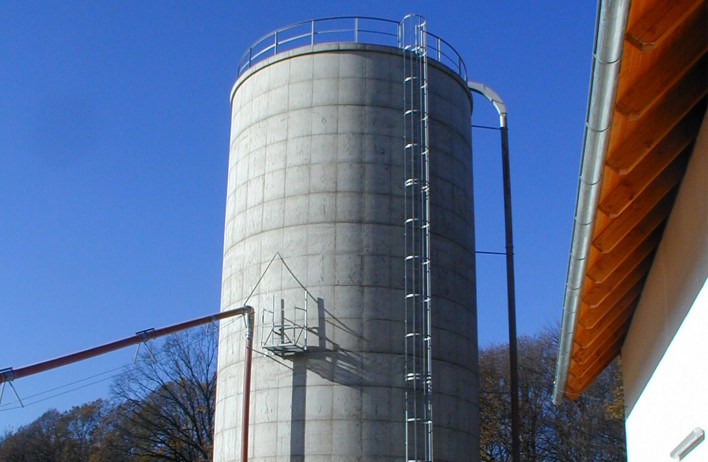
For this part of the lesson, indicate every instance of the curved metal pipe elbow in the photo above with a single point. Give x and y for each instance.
(492, 96)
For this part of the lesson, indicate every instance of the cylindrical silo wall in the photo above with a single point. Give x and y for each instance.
(315, 202)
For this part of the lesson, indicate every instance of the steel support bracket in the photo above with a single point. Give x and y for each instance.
(7, 375)
(145, 336)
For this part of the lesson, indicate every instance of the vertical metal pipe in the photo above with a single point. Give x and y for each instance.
(306, 326)
(499, 105)
(282, 321)
(246, 406)
(272, 323)
(511, 297)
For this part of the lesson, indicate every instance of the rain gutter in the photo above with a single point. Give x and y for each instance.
(609, 34)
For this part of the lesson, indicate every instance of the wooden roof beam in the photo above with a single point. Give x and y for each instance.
(582, 375)
(651, 197)
(632, 187)
(584, 358)
(629, 288)
(608, 262)
(595, 317)
(658, 122)
(652, 165)
(688, 47)
(577, 384)
(659, 22)
(618, 315)
(598, 293)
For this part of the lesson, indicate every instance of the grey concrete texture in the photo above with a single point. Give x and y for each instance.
(316, 180)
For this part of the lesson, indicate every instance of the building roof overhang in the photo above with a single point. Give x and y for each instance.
(647, 99)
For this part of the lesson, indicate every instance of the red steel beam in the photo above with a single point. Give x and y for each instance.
(246, 387)
(11, 374)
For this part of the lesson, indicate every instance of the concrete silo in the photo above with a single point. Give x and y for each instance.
(318, 239)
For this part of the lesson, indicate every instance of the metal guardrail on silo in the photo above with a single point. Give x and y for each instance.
(356, 29)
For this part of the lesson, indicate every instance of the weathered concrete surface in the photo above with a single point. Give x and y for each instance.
(315, 174)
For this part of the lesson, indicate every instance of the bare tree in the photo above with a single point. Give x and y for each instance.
(167, 404)
(591, 428)
(164, 410)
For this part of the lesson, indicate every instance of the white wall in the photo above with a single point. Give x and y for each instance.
(675, 400)
(665, 354)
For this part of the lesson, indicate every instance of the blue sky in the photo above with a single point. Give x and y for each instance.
(114, 130)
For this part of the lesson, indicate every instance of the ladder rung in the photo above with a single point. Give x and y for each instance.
(418, 420)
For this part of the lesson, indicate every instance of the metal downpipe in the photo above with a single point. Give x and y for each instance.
(609, 33)
(499, 105)
(246, 404)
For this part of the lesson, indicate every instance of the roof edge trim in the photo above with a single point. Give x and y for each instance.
(609, 35)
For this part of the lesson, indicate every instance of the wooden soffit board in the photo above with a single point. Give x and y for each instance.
(659, 104)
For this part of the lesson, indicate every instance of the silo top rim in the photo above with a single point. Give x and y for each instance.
(356, 29)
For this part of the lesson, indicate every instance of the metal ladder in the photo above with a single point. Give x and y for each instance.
(417, 374)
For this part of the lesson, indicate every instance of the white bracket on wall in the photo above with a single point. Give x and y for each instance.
(688, 444)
